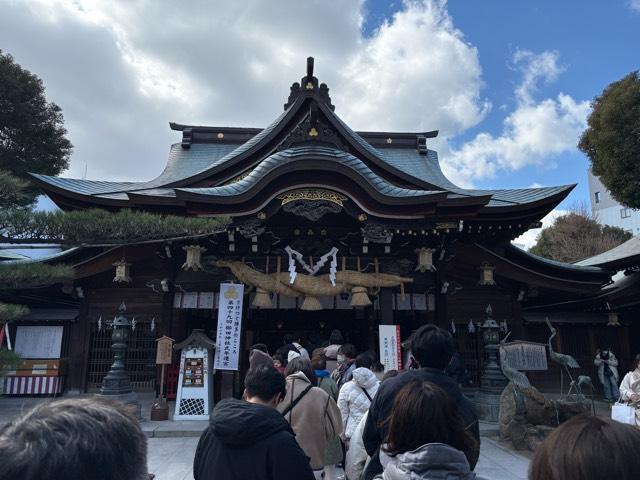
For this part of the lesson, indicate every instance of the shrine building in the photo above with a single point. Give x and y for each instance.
(329, 229)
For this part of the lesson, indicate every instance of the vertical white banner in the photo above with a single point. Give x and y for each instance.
(229, 326)
(390, 350)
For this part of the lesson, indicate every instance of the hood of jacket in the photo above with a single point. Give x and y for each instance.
(332, 351)
(239, 423)
(298, 376)
(258, 358)
(364, 377)
(434, 461)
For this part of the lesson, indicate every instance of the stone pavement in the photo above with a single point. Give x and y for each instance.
(171, 459)
(172, 444)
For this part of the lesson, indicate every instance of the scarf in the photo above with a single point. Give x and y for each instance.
(321, 373)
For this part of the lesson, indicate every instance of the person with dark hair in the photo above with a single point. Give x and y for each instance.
(346, 364)
(607, 364)
(588, 448)
(259, 355)
(74, 439)
(356, 395)
(630, 387)
(426, 437)
(248, 439)
(312, 414)
(334, 454)
(278, 362)
(331, 351)
(432, 348)
(286, 348)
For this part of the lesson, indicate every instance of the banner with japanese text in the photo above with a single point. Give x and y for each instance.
(390, 350)
(229, 326)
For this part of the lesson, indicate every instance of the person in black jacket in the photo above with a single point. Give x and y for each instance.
(248, 439)
(432, 348)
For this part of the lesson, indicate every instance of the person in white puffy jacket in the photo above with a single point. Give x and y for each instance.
(356, 395)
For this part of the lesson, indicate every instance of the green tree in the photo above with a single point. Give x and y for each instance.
(32, 139)
(32, 133)
(612, 139)
(576, 236)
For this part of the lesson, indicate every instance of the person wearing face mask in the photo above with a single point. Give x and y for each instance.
(346, 365)
(331, 351)
(607, 364)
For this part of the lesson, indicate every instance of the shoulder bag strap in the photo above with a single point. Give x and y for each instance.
(366, 393)
(295, 402)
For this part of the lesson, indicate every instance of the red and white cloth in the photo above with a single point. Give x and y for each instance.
(32, 385)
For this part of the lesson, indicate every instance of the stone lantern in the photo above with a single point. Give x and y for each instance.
(492, 381)
(116, 384)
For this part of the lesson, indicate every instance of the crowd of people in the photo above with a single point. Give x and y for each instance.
(302, 415)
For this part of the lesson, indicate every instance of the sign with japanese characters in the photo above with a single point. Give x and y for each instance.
(523, 355)
(229, 326)
(390, 350)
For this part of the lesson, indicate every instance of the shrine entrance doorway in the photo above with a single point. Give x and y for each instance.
(270, 327)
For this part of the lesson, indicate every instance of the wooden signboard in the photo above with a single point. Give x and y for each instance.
(39, 341)
(164, 350)
(523, 355)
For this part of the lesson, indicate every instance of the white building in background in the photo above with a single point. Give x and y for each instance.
(609, 211)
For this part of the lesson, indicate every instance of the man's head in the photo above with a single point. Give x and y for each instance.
(74, 438)
(289, 338)
(432, 347)
(264, 385)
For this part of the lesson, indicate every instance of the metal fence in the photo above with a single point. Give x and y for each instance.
(139, 358)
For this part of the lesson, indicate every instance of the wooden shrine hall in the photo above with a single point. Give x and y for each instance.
(329, 228)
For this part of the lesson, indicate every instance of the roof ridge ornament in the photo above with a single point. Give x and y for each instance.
(309, 87)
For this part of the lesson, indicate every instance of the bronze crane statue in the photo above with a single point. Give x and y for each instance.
(566, 361)
(517, 378)
(585, 380)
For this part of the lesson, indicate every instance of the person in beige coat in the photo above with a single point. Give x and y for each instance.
(312, 414)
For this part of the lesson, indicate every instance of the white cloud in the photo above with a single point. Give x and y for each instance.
(534, 133)
(416, 73)
(634, 5)
(529, 238)
(122, 70)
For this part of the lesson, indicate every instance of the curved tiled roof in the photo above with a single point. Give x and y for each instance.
(297, 153)
(624, 255)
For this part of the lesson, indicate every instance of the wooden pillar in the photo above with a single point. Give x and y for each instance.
(441, 298)
(78, 350)
(386, 307)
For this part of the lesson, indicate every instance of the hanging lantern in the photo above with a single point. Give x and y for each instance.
(486, 274)
(359, 297)
(425, 260)
(122, 272)
(262, 299)
(194, 255)
(613, 320)
(311, 304)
